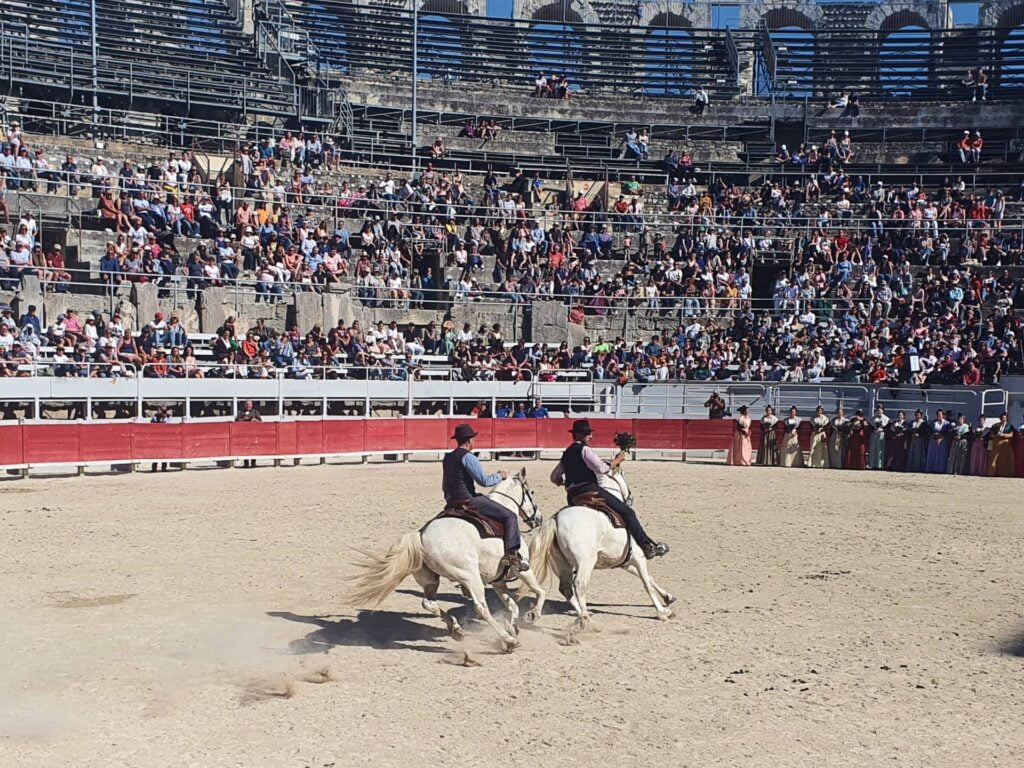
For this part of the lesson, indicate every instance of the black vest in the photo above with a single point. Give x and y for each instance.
(456, 482)
(575, 469)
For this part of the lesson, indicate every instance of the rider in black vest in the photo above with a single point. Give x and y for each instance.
(462, 471)
(578, 470)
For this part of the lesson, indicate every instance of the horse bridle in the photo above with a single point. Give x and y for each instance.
(532, 520)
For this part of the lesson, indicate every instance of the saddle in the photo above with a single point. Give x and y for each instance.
(595, 501)
(485, 526)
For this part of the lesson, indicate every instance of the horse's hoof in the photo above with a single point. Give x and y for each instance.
(458, 635)
(669, 599)
(509, 644)
(665, 615)
(530, 616)
(581, 623)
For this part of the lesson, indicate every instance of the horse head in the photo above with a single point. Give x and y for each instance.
(515, 494)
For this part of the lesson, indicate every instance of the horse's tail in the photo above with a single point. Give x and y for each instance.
(382, 574)
(540, 551)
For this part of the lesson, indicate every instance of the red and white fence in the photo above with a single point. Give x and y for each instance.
(79, 444)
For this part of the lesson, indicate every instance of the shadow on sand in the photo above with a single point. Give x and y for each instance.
(383, 630)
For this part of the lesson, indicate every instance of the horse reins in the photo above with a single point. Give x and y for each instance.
(520, 504)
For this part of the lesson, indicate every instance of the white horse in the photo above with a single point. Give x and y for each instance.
(453, 548)
(576, 540)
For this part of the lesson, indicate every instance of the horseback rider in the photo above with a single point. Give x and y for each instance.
(462, 472)
(578, 470)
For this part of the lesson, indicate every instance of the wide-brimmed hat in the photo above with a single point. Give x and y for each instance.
(463, 432)
(581, 427)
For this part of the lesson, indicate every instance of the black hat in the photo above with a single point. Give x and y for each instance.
(742, 409)
(463, 432)
(581, 427)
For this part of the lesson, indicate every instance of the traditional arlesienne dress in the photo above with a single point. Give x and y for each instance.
(937, 460)
(1001, 462)
(857, 444)
(837, 442)
(768, 448)
(896, 437)
(792, 455)
(959, 454)
(917, 452)
(819, 442)
(977, 462)
(876, 445)
(739, 455)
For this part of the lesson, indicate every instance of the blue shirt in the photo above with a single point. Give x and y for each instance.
(539, 412)
(472, 465)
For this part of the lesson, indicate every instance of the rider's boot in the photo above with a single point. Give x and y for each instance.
(655, 549)
(510, 566)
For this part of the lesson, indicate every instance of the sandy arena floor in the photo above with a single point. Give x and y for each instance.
(825, 619)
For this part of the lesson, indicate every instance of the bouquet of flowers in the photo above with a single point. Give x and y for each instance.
(625, 441)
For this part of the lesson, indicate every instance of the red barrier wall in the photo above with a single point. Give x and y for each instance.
(80, 443)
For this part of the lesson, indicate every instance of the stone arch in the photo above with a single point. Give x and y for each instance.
(1003, 13)
(777, 13)
(901, 19)
(575, 11)
(900, 13)
(666, 21)
(677, 16)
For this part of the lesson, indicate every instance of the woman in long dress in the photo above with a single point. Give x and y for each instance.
(977, 462)
(857, 442)
(1001, 462)
(937, 460)
(819, 439)
(917, 451)
(768, 448)
(792, 455)
(876, 446)
(896, 437)
(959, 454)
(837, 440)
(739, 456)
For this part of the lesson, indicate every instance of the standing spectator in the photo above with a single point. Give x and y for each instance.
(977, 461)
(917, 450)
(959, 454)
(792, 454)
(701, 101)
(739, 455)
(69, 173)
(249, 413)
(857, 442)
(1001, 461)
(716, 406)
(768, 448)
(879, 431)
(819, 439)
(896, 444)
(937, 460)
(837, 439)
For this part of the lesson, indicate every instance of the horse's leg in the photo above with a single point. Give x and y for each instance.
(512, 626)
(639, 562)
(475, 584)
(430, 582)
(534, 586)
(580, 579)
(667, 597)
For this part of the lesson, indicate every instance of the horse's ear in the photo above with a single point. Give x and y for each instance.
(522, 473)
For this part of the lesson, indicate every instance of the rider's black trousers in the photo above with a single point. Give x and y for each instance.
(632, 523)
(495, 511)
